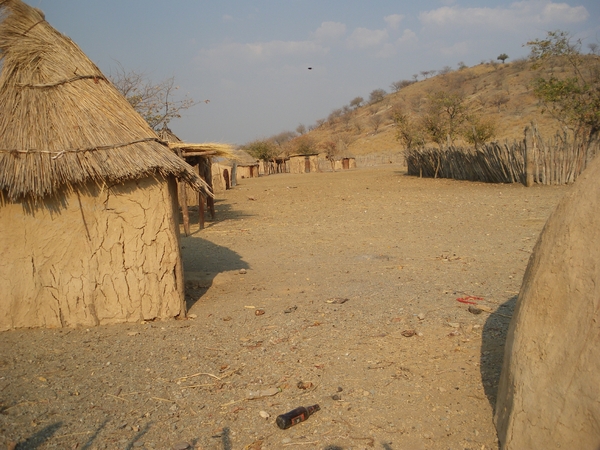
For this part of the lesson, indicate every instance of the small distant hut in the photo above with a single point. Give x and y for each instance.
(304, 163)
(89, 230)
(200, 157)
(247, 166)
(344, 162)
(240, 164)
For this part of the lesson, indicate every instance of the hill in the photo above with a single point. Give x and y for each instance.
(498, 93)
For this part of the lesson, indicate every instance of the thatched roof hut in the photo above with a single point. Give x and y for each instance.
(246, 166)
(200, 157)
(304, 163)
(88, 208)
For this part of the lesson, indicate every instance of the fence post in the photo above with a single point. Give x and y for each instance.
(529, 149)
(234, 174)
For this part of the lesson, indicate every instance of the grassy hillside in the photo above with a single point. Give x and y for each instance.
(498, 92)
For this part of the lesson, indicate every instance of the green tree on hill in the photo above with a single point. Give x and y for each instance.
(409, 132)
(573, 99)
(503, 57)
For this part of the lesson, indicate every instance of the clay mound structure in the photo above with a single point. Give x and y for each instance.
(549, 390)
(89, 229)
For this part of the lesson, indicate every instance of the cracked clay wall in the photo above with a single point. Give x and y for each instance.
(106, 255)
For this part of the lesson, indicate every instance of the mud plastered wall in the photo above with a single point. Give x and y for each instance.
(550, 383)
(101, 255)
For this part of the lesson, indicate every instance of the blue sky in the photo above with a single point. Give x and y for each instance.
(251, 58)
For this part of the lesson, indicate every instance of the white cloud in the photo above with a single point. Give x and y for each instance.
(524, 13)
(408, 37)
(393, 21)
(330, 31)
(561, 12)
(362, 38)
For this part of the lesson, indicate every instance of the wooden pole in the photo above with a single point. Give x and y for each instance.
(184, 208)
(529, 149)
(234, 174)
(183, 203)
(210, 201)
(201, 211)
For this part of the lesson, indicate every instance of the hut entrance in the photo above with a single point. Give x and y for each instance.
(346, 163)
(307, 165)
(226, 177)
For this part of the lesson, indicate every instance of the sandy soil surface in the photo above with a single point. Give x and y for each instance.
(337, 289)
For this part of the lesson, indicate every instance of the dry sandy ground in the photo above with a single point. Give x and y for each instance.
(343, 265)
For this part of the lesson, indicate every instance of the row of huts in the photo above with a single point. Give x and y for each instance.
(244, 166)
(90, 194)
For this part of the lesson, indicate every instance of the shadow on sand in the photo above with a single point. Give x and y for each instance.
(223, 212)
(492, 348)
(39, 438)
(47, 433)
(204, 260)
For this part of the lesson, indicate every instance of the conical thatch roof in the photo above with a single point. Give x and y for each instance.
(244, 158)
(62, 123)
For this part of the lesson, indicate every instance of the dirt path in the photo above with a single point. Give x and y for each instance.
(343, 265)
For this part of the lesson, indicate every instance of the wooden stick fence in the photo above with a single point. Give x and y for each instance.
(534, 160)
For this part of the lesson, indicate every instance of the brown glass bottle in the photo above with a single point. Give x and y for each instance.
(295, 416)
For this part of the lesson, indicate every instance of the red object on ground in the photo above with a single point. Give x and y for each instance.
(468, 299)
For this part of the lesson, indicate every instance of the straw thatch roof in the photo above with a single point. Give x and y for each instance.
(245, 159)
(206, 149)
(62, 123)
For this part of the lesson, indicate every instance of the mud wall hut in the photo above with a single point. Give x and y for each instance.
(304, 163)
(344, 163)
(223, 169)
(247, 166)
(89, 228)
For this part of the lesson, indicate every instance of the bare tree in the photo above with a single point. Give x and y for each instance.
(376, 120)
(397, 85)
(377, 95)
(346, 120)
(499, 99)
(356, 102)
(283, 137)
(300, 129)
(331, 150)
(156, 103)
(344, 141)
